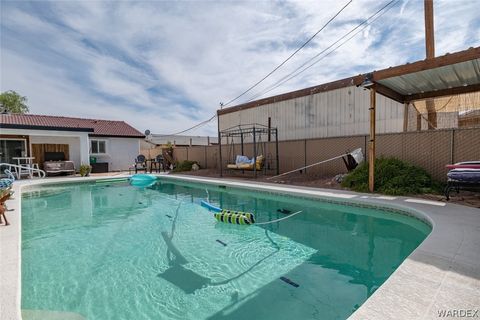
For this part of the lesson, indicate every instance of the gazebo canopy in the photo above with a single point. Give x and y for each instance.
(455, 75)
(451, 74)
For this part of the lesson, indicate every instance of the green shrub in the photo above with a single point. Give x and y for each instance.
(393, 177)
(184, 166)
(85, 170)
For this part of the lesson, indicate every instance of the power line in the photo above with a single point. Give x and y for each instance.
(292, 74)
(198, 125)
(265, 77)
(291, 56)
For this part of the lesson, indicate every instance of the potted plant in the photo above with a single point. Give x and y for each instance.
(85, 170)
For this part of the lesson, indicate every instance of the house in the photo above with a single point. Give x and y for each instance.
(179, 140)
(113, 145)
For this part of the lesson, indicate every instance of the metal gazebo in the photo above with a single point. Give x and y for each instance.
(256, 132)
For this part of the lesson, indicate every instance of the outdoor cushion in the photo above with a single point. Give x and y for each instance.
(465, 175)
(242, 160)
(5, 183)
(465, 165)
(249, 165)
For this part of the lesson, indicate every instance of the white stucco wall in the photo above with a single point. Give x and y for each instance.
(73, 146)
(121, 152)
(77, 141)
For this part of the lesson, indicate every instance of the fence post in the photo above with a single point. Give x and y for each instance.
(365, 148)
(452, 147)
(305, 155)
(205, 156)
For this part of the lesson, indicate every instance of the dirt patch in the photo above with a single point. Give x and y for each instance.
(466, 198)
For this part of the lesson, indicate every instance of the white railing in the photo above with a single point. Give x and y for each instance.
(19, 170)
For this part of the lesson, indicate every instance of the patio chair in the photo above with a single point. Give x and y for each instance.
(140, 163)
(463, 175)
(159, 163)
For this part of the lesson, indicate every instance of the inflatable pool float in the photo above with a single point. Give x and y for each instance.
(143, 180)
(229, 216)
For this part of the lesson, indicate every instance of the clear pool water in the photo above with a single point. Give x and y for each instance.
(112, 251)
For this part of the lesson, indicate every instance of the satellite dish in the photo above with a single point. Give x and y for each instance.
(147, 132)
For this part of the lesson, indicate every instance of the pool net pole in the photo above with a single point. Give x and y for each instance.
(371, 146)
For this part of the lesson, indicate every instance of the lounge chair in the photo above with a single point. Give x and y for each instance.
(463, 175)
(140, 163)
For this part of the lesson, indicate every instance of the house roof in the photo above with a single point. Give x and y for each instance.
(94, 127)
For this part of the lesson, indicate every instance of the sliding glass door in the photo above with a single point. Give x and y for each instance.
(10, 148)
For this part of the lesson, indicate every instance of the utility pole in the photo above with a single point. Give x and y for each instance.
(429, 29)
(430, 52)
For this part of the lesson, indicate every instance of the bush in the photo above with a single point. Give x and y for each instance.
(85, 170)
(184, 166)
(392, 177)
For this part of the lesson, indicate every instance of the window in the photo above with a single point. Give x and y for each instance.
(98, 147)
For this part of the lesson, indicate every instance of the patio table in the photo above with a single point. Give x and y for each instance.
(23, 161)
(149, 165)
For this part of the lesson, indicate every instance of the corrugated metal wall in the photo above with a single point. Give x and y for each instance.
(335, 113)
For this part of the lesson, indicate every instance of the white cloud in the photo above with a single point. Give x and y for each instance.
(167, 65)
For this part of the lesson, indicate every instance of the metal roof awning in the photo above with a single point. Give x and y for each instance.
(450, 74)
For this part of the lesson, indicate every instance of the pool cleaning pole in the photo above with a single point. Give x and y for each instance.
(311, 165)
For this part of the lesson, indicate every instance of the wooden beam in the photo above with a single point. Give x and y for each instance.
(419, 120)
(405, 117)
(429, 29)
(389, 93)
(443, 92)
(431, 114)
(371, 145)
(430, 54)
(448, 59)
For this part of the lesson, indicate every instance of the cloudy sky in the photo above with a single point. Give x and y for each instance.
(165, 65)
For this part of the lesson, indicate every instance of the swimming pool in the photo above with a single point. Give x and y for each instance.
(112, 251)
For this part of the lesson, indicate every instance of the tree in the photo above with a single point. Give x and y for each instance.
(12, 102)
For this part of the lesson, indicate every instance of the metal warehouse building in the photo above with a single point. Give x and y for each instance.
(439, 93)
(334, 109)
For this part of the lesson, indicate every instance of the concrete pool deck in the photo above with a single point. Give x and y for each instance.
(440, 279)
